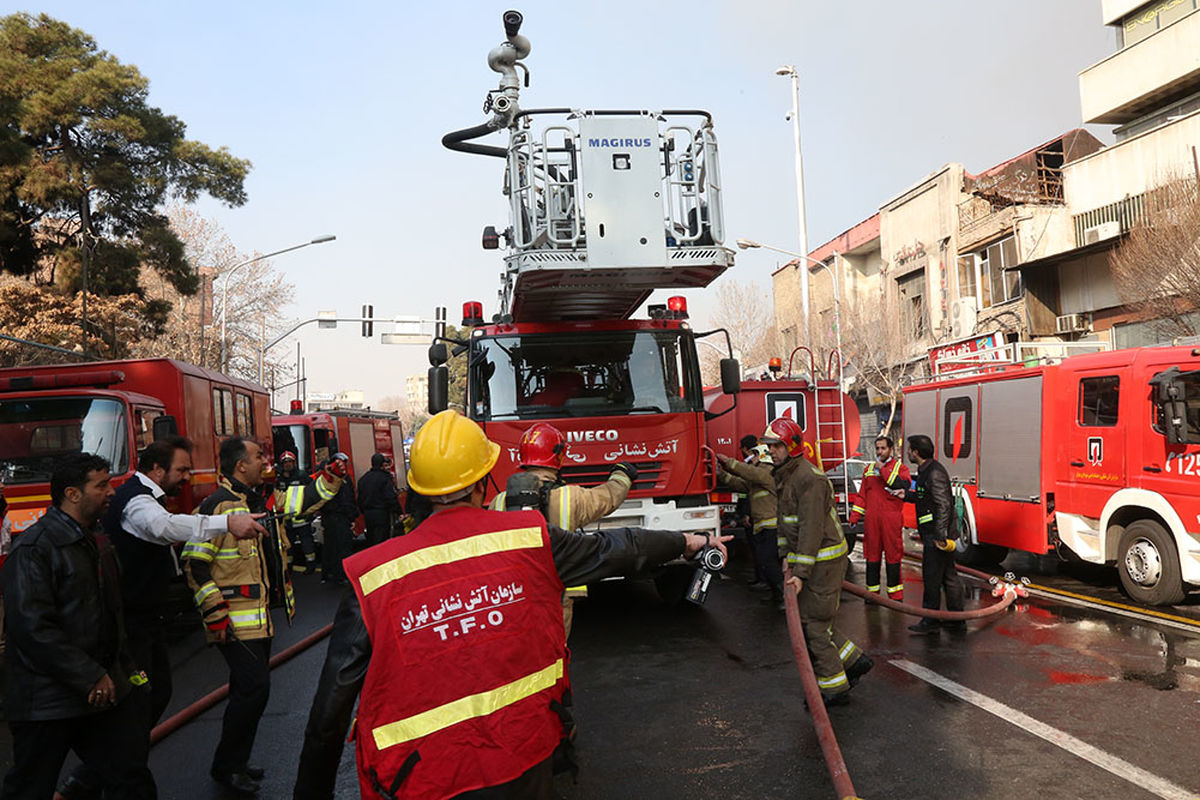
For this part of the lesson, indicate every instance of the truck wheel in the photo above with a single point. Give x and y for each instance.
(971, 554)
(673, 583)
(1149, 564)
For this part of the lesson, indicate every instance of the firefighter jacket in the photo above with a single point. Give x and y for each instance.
(934, 498)
(873, 499)
(572, 507)
(809, 531)
(285, 482)
(756, 481)
(419, 684)
(236, 582)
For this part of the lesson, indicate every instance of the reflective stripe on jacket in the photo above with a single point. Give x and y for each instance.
(468, 653)
(809, 530)
(757, 481)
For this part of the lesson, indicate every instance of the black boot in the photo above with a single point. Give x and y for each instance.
(861, 666)
(925, 626)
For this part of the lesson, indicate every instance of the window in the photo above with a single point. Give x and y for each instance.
(143, 427)
(36, 432)
(532, 376)
(245, 415)
(1098, 401)
(223, 412)
(1153, 17)
(294, 438)
(1189, 382)
(988, 276)
(911, 289)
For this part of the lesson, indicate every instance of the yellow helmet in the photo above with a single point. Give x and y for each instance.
(449, 453)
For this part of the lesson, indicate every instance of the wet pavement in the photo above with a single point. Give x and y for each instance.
(684, 702)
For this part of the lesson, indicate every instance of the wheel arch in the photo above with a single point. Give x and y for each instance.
(1130, 505)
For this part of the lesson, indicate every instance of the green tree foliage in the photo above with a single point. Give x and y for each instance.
(458, 368)
(85, 158)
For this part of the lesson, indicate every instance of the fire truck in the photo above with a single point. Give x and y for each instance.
(1094, 456)
(826, 414)
(605, 208)
(114, 409)
(359, 433)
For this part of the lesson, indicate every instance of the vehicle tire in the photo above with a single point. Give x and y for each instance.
(673, 583)
(1149, 564)
(971, 554)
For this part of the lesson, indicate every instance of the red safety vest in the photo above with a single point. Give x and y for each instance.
(468, 654)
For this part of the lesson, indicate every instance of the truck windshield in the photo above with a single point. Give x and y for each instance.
(586, 374)
(36, 432)
(295, 439)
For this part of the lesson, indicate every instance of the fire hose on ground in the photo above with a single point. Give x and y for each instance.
(1008, 588)
(185, 715)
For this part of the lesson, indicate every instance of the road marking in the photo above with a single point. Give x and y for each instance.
(1106, 761)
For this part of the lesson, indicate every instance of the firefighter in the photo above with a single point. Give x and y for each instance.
(337, 523)
(934, 498)
(815, 550)
(756, 479)
(880, 499)
(541, 452)
(300, 531)
(236, 583)
(454, 636)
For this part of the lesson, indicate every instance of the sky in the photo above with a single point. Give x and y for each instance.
(341, 108)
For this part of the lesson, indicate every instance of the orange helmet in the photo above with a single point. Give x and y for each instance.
(787, 431)
(543, 445)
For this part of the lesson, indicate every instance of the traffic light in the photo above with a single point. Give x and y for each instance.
(368, 325)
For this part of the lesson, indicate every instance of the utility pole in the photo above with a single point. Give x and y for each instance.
(85, 237)
(800, 209)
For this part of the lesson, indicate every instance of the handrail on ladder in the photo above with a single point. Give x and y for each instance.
(811, 358)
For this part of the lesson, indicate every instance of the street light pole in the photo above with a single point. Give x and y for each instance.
(225, 290)
(750, 244)
(790, 71)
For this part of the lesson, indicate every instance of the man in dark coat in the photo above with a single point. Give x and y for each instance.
(934, 498)
(379, 500)
(69, 683)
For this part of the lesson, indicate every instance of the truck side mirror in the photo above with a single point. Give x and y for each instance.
(439, 388)
(1171, 406)
(164, 427)
(731, 376)
(438, 354)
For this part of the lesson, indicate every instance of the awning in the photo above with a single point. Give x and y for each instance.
(1067, 255)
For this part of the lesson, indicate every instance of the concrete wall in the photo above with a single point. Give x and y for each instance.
(1132, 166)
(1128, 83)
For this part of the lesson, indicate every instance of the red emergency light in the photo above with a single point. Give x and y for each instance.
(98, 378)
(472, 314)
(677, 305)
(775, 364)
(297, 406)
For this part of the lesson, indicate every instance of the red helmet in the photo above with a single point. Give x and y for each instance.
(287, 454)
(787, 431)
(543, 445)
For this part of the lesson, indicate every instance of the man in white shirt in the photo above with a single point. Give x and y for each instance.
(142, 530)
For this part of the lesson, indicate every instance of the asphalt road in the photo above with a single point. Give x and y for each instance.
(685, 702)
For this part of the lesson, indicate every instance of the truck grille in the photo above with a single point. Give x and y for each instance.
(651, 475)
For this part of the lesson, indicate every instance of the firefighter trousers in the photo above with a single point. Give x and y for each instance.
(831, 651)
(882, 535)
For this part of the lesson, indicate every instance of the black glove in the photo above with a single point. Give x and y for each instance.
(629, 469)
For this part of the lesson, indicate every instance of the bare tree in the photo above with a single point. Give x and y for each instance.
(1157, 268)
(746, 312)
(411, 417)
(877, 349)
(258, 293)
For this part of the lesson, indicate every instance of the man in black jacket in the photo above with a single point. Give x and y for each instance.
(935, 514)
(68, 678)
(378, 499)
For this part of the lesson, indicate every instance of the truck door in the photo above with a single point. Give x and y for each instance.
(1092, 456)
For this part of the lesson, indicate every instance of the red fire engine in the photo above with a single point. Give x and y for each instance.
(359, 433)
(114, 409)
(1093, 456)
(605, 207)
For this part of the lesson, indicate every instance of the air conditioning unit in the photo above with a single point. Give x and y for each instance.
(1071, 323)
(963, 317)
(1098, 233)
